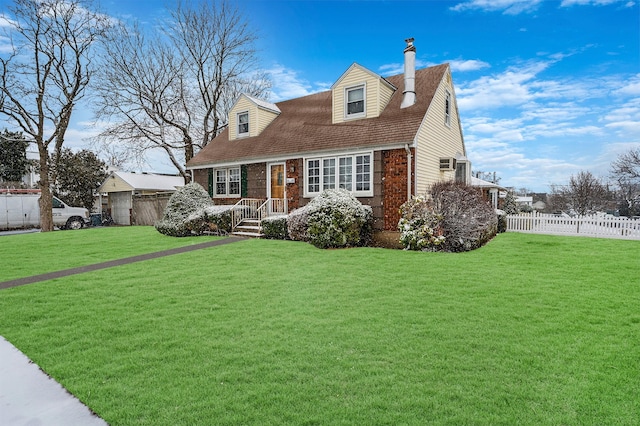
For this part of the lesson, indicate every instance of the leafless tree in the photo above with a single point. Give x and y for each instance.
(46, 73)
(584, 194)
(625, 170)
(172, 90)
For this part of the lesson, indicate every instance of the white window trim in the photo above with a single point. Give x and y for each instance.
(227, 171)
(369, 193)
(362, 114)
(447, 102)
(243, 134)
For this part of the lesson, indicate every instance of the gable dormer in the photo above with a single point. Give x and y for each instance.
(359, 93)
(249, 116)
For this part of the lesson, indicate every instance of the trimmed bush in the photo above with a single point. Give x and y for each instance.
(333, 219)
(297, 224)
(184, 214)
(502, 221)
(275, 227)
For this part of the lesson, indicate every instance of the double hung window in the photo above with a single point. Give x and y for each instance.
(355, 101)
(227, 182)
(243, 124)
(351, 172)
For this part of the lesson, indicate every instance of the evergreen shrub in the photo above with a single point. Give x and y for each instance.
(275, 227)
(333, 219)
(185, 212)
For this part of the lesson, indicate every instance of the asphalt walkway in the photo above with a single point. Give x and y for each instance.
(28, 396)
(117, 262)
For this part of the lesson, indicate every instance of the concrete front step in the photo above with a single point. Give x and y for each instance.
(249, 228)
(247, 234)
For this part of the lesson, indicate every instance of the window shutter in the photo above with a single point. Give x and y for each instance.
(210, 182)
(243, 181)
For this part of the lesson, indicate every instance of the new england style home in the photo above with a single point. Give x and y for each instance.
(383, 139)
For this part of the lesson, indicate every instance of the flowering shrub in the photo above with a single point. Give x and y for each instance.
(185, 212)
(334, 218)
(275, 227)
(420, 225)
(297, 224)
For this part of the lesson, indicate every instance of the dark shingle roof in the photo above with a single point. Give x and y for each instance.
(304, 126)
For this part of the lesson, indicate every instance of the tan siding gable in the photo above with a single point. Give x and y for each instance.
(259, 118)
(377, 93)
(115, 183)
(436, 139)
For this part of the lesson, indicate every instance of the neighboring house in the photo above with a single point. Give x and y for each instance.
(383, 139)
(526, 201)
(122, 187)
(492, 192)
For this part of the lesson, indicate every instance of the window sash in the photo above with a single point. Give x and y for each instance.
(328, 173)
(243, 123)
(447, 109)
(227, 182)
(354, 173)
(313, 176)
(355, 101)
(346, 176)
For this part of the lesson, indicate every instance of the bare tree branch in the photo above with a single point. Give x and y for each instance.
(46, 74)
(172, 90)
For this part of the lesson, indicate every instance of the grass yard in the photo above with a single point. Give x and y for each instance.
(529, 329)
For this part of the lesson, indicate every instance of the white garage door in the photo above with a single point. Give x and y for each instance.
(121, 207)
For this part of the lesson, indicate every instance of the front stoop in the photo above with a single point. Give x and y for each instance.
(249, 228)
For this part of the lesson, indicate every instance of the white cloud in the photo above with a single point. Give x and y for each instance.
(468, 65)
(288, 85)
(631, 87)
(568, 3)
(508, 7)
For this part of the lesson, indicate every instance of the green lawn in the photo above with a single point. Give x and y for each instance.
(529, 329)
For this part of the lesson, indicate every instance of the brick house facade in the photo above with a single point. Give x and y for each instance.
(383, 139)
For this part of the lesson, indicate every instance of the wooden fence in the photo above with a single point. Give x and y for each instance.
(148, 209)
(586, 226)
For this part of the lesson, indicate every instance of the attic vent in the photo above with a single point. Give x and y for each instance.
(447, 163)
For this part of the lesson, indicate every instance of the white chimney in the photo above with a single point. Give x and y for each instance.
(409, 94)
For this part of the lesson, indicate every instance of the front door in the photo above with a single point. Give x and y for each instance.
(277, 181)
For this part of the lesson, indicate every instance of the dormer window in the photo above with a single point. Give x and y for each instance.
(355, 101)
(243, 123)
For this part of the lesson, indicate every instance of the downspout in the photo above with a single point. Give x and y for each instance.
(409, 167)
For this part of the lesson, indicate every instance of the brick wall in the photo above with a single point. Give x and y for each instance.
(395, 185)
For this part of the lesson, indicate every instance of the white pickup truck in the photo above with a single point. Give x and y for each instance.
(19, 209)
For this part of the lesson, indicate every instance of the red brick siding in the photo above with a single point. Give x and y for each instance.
(395, 185)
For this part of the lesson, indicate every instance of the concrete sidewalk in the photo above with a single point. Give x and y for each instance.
(29, 397)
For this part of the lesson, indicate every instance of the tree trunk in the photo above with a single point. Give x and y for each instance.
(46, 202)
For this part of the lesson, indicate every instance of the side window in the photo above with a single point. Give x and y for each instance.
(221, 182)
(57, 204)
(243, 124)
(447, 109)
(355, 101)
(313, 176)
(234, 181)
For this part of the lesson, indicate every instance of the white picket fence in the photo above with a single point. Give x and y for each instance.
(586, 226)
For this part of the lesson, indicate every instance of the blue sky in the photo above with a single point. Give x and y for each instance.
(545, 89)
